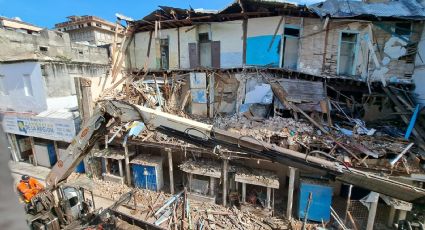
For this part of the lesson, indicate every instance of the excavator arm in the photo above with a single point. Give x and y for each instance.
(111, 112)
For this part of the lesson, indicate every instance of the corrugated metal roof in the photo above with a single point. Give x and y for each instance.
(410, 9)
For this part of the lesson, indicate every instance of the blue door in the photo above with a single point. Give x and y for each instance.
(320, 207)
(144, 177)
(52, 154)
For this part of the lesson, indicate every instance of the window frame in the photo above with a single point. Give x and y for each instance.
(356, 50)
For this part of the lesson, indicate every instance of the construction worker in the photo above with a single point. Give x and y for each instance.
(28, 187)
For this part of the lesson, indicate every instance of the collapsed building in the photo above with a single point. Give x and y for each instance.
(330, 80)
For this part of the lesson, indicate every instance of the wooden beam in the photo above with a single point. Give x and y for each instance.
(244, 38)
(290, 193)
(170, 167)
(225, 174)
(281, 94)
(282, 19)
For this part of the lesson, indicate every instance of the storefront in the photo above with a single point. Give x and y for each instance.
(40, 139)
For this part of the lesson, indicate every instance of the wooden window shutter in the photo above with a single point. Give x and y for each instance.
(215, 54)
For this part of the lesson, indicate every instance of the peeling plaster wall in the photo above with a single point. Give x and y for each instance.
(312, 45)
(314, 56)
(392, 66)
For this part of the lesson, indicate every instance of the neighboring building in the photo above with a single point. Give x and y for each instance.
(18, 25)
(91, 29)
(42, 79)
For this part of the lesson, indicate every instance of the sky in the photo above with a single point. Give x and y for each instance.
(46, 13)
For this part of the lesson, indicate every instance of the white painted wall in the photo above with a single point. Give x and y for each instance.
(140, 48)
(230, 35)
(173, 58)
(12, 77)
(186, 38)
(263, 26)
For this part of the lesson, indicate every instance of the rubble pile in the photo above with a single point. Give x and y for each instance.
(201, 166)
(210, 216)
(273, 129)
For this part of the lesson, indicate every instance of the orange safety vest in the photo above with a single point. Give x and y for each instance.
(29, 189)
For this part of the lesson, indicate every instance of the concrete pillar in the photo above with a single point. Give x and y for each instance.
(269, 195)
(391, 216)
(225, 179)
(212, 186)
(290, 192)
(401, 215)
(105, 162)
(120, 168)
(243, 192)
(372, 213)
(170, 168)
(127, 165)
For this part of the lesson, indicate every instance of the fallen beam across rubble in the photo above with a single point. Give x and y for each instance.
(207, 135)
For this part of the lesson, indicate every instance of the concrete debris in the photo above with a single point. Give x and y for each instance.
(284, 129)
(203, 167)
